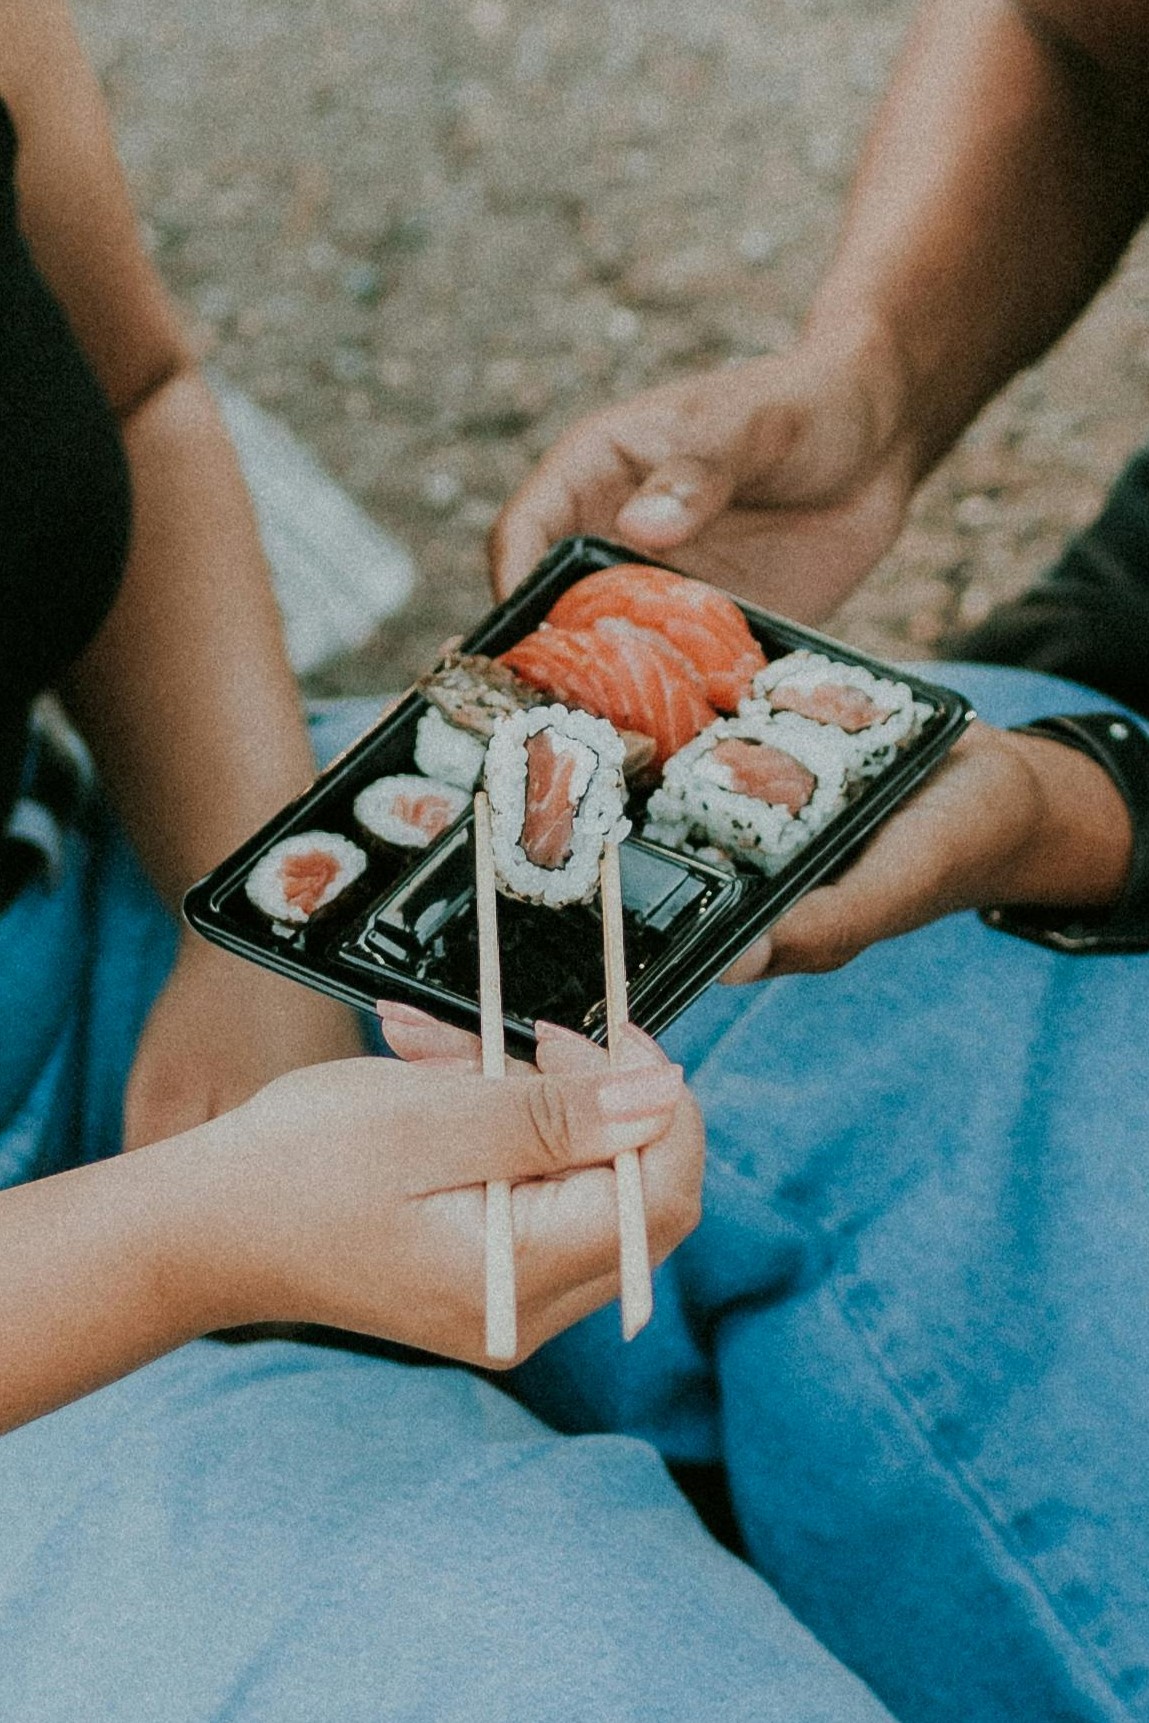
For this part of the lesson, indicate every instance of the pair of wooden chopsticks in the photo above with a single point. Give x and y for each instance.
(634, 1255)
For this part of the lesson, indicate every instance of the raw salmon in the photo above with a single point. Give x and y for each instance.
(306, 878)
(430, 813)
(616, 670)
(830, 703)
(705, 625)
(548, 824)
(768, 774)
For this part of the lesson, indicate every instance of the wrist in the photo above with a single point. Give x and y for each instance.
(198, 1229)
(851, 359)
(1079, 851)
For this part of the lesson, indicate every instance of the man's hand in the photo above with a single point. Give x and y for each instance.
(778, 478)
(221, 1029)
(1005, 819)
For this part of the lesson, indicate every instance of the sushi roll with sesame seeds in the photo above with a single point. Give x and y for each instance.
(408, 810)
(301, 875)
(756, 787)
(874, 714)
(555, 782)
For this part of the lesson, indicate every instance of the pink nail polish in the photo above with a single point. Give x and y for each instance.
(633, 1092)
(390, 1008)
(555, 1032)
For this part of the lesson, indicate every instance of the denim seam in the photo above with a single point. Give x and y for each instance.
(969, 1488)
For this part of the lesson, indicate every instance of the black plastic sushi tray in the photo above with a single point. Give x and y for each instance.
(405, 929)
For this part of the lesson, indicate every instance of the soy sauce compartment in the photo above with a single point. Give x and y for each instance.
(425, 932)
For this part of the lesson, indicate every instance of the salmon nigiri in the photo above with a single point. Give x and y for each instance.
(616, 670)
(704, 624)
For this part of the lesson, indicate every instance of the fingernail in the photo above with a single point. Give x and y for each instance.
(391, 1009)
(633, 1133)
(555, 1032)
(627, 1094)
(639, 1048)
(660, 509)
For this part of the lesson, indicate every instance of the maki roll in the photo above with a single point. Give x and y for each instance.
(555, 783)
(756, 787)
(303, 874)
(874, 714)
(408, 810)
(466, 695)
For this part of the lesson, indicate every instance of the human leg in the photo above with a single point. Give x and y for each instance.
(278, 1533)
(913, 1310)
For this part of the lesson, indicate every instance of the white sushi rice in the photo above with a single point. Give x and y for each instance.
(867, 752)
(597, 791)
(378, 808)
(264, 884)
(449, 753)
(697, 804)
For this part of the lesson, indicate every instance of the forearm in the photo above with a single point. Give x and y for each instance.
(1005, 174)
(90, 1286)
(185, 696)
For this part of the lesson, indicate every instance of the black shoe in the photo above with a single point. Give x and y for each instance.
(1088, 618)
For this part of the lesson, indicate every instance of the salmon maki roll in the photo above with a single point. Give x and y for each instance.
(874, 715)
(301, 875)
(408, 810)
(554, 779)
(632, 676)
(705, 625)
(758, 788)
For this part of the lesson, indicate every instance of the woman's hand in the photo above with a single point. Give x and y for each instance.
(220, 1030)
(352, 1194)
(781, 479)
(1005, 819)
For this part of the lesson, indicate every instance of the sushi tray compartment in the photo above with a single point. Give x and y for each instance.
(363, 887)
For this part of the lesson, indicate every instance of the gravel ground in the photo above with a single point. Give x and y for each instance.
(428, 236)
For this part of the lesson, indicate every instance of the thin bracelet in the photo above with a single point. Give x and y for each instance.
(1121, 748)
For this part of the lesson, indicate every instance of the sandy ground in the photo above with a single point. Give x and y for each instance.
(429, 235)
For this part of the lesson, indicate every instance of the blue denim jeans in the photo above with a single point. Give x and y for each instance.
(283, 1533)
(912, 1327)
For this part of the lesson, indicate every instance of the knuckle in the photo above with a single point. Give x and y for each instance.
(548, 1103)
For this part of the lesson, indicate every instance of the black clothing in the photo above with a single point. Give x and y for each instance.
(1088, 618)
(65, 503)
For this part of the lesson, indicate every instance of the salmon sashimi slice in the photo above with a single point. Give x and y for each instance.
(430, 814)
(615, 670)
(548, 824)
(830, 703)
(306, 879)
(705, 625)
(768, 774)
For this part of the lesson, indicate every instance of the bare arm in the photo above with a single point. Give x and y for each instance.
(185, 696)
(1006, 171)
(1005, 174)
(352, 1195)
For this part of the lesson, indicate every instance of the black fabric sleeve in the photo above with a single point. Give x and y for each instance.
(1120, 746)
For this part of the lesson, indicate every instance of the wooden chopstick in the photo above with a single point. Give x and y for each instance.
(502, 1317)
(637, 1294)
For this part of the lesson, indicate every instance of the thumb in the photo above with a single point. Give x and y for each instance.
(528, 1127)
(674, 503)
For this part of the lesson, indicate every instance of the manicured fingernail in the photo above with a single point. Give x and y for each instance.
(555, 1032)
(391, 1010)
(627, 1094)
(638, 1048)
(660, 509)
